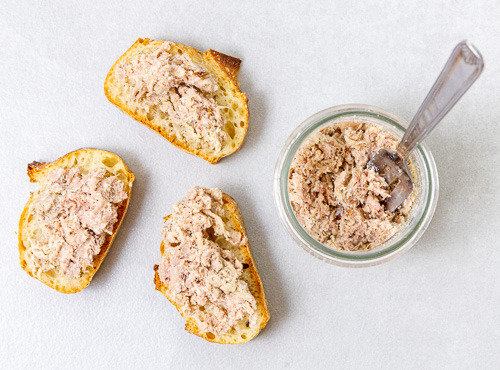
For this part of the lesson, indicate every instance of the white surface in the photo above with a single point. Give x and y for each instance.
(436, 306)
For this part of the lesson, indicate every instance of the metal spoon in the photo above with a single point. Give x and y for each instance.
(463, 68)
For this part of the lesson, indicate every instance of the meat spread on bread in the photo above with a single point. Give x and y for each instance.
(191, 98)
(207, 270)
(69, 223)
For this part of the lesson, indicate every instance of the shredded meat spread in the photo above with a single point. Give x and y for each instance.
(179, 88)
(203, 278)
(75, 211)
(335, 198)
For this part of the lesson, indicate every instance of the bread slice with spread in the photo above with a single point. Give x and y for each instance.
(207, 270)
(70, 222)
(191, 98)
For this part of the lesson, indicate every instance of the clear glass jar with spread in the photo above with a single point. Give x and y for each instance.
(426, 187)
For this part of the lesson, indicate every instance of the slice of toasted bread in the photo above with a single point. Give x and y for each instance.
(87, 160)
(222, 67)
(241, 332)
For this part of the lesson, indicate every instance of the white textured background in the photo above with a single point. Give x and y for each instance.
(436, 306)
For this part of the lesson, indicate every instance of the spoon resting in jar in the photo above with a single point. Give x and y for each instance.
(463, 68)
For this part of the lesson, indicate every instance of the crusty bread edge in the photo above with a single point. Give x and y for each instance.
(191, 325)
(228, 67)
(35, 169)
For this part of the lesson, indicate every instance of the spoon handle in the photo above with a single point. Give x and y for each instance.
(461, 70)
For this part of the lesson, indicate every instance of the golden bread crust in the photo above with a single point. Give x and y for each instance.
(223, 67)
(230, 65)
(37, 172)
(253, 279)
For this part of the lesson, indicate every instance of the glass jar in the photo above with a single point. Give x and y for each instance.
(426, 186)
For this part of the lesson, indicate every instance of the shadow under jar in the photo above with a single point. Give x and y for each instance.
(423, 169)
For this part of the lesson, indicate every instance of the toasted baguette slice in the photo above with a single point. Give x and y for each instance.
(87, 160)
(223, 68)
(240, 333)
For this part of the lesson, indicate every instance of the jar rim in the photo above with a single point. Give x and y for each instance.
(287, 216)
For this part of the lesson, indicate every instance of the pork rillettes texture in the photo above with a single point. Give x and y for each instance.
(335, 197)
(205, 279)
